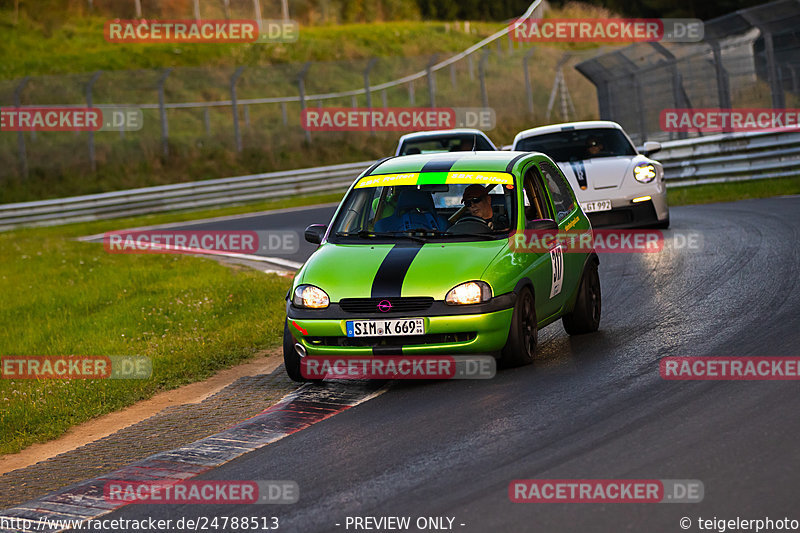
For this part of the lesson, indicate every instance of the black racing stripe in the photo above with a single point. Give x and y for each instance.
(388, 282)
(439, 165)
(510, 166)
(580, 172)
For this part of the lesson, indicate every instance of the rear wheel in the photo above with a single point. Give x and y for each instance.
(523, 333)
(291, 359)
(585, 317)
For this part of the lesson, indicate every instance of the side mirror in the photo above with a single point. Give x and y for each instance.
(650, 147)
(541, 224)
(315, 232)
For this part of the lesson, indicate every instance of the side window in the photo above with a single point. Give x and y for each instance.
(559, 191)
(535, 202)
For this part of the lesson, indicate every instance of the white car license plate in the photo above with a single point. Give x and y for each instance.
(599, 205)
(385, 328)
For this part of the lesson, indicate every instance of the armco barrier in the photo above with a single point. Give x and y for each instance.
(711, 159)
(730, 157)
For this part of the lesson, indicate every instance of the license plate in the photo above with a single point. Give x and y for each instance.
(385, 328)
(599, 205)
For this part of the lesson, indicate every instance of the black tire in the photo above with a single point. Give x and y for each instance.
(523, 333)
(585, 317)
(662, 225)
(291, 359)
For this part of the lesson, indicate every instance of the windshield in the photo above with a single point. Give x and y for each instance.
(464, 142)
(573, 145)
(427, 206)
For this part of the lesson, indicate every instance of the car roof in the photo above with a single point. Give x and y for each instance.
(487, 161)
(566, 126)
(437, 133)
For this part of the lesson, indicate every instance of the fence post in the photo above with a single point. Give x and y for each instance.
(89, 87)
(453, 75)
(23, 156)
(367, 91)
(778, 100)
(301, 88)
(236, 133)
(482, 75)
(207, 121)
(431, 80)
(138, 5)
(470, 67)
(163, 112)
(284, 115)
(528, 88)
(411, 93)
(196, 9)
(257, 9)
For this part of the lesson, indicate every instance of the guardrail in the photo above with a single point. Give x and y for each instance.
(730, 157)
(712, 159)
(209, 193)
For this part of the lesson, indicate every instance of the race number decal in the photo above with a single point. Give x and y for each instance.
(557, 262)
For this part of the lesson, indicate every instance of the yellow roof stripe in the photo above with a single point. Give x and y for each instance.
(502, 178)
(388, 180)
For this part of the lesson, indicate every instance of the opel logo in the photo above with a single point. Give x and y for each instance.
(384, 306)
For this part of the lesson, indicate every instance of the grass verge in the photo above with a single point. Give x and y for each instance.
(730, 192)
(191, 316)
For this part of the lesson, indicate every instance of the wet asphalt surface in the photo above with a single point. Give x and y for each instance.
(592, 406)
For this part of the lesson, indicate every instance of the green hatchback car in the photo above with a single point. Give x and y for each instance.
(420, 259)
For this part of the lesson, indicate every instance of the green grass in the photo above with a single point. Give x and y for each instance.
(730, 192)
(191, 316)
(78, 45)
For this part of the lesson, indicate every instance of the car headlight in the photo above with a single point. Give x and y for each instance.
(311, 297)
(644, 172)
(471, 292)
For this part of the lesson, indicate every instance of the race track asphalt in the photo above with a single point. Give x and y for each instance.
(592, 406)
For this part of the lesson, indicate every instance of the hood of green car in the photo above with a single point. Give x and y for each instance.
(384, 270)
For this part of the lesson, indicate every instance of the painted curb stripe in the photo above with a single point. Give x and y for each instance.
(296, 411)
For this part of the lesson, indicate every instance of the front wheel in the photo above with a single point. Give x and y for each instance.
(523, 333)
(585, 317)
(291, 359)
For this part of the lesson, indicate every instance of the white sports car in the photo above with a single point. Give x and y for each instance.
(615, 184)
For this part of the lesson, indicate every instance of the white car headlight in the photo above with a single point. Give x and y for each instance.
(311, 297)
(644, 172)
(471, 292)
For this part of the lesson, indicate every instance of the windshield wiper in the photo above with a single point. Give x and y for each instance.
(365, 234)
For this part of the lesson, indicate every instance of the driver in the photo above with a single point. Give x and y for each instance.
(594, 146)
(476, 199)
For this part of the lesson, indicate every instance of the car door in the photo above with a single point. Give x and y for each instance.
(544, 269)
(565, 266)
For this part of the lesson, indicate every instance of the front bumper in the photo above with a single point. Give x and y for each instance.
(459, 333)
(626, 214)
